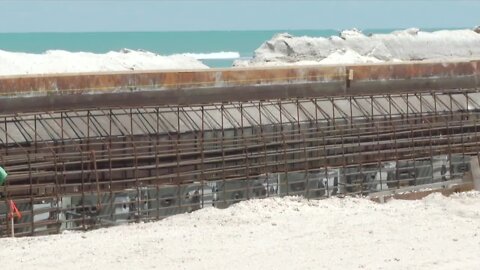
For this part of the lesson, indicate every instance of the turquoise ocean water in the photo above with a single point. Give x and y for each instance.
(164, 43)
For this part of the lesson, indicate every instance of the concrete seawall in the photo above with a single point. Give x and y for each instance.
(93, 90)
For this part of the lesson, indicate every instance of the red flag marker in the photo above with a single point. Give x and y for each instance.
(14, 210)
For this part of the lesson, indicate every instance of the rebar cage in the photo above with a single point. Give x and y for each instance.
(89, 168)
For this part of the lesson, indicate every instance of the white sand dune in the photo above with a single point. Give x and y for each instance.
(57, 61)
(275, 233)
(352, 47)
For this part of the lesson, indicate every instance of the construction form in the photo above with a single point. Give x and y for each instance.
(91, 150)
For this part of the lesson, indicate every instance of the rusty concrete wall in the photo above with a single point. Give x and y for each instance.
(101, 82)
(68, 91)
(415, 76)
(411, 70)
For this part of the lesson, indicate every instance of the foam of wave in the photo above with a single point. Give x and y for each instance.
(213, 55)
(59, 61)
(352, 46)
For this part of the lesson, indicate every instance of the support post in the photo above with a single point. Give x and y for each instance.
(12, 227)
(475, 169)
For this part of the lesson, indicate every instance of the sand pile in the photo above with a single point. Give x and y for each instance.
(352, 46)
(275, 233)
(58, 61)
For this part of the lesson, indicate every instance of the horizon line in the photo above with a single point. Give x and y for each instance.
(235, 30)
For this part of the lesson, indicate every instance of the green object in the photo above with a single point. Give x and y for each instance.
(3, 176)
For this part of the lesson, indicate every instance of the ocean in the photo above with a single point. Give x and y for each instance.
(212, 44)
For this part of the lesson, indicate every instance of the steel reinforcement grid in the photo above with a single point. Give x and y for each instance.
(83, 169)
